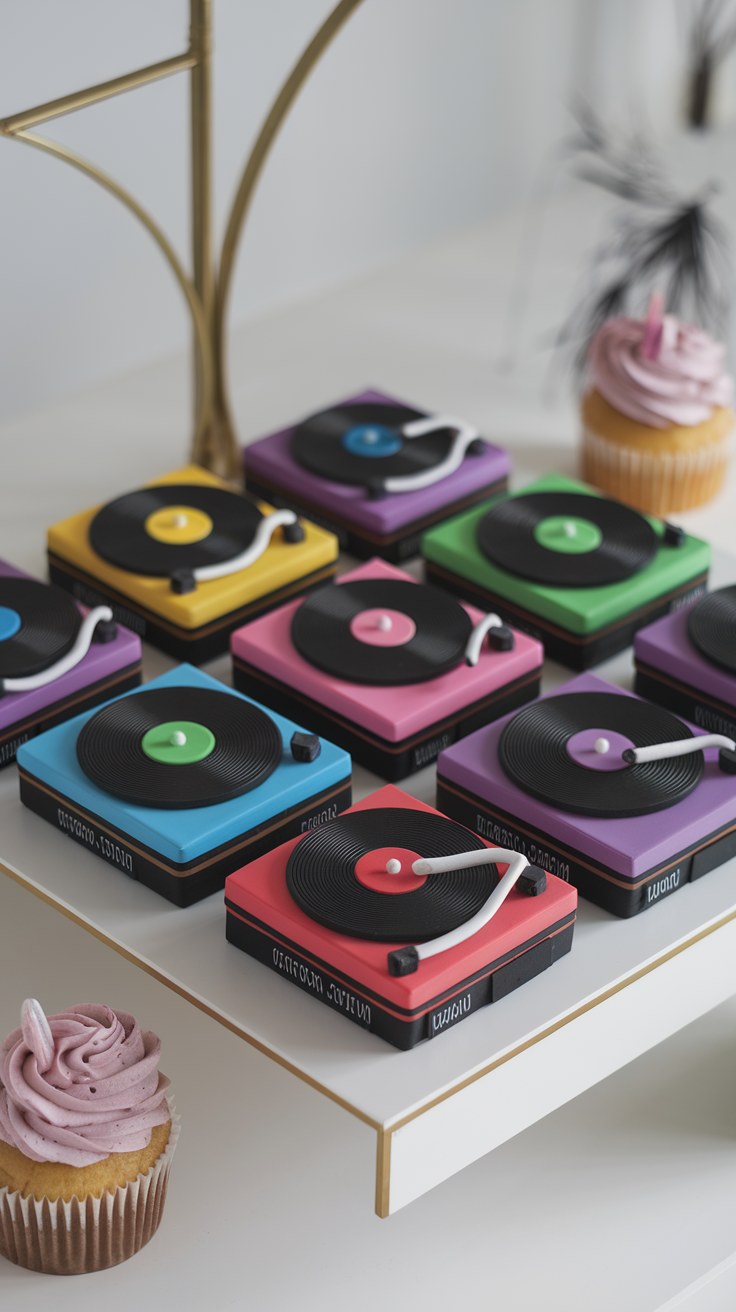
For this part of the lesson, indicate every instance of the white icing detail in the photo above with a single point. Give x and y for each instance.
(682, 747)
(602, 746)
(262, 538)
(393, 867)
(178, 738)
(465, 434)
(475, 641)
(72, 658)
(483, 856)
(37, 1033)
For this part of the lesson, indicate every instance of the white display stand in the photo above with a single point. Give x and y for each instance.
(626, 986)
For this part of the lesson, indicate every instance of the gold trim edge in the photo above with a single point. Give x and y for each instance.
(384, 1131)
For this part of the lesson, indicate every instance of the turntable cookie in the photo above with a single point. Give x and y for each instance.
(401, 920)
(177, 784)
(185, 560)
(376, 472)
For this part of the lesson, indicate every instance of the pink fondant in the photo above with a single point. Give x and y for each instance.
(383, 628)
(653, 327)
(392, 713)
(581, 747)
(260, 890)
(102, 1092)
(681, 382)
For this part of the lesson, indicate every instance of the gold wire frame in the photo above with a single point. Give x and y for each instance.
(206, 292)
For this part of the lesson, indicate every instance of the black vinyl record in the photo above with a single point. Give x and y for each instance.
(49, 624)
(533, 753)
(363, 444)
(247, 748)
(321, 878)
(711, 627)
(506, 536)
(118, 532)
(320, 631)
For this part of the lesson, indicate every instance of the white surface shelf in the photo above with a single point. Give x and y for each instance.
(625, 987)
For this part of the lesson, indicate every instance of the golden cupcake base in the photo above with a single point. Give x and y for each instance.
(659, 471)
(69, 1238)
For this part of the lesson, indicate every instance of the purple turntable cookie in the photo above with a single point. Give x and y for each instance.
(672, 671)
(624, 863)
(372, 515)
(57, 658)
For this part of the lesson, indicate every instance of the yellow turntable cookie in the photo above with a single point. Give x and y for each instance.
(184, 575)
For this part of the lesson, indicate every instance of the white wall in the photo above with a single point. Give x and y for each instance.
(424, 117)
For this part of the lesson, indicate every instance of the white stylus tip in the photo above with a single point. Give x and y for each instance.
(570, 530)
(393, 867)
(177, 738)
(384, 623)
(602, 746)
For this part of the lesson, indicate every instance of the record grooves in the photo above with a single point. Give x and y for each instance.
(506, 536)
(711, 627)
(50, 622)
(532, 751)
(118, 531)
(322, 444)
(320, 876)
(247, 748)
(320, 631)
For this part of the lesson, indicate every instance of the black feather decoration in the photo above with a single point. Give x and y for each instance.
(711, 37)
(659, 240)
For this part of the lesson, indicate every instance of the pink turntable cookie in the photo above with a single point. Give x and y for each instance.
(390, 669)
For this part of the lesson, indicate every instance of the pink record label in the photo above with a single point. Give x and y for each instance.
(605, 756)
(383, 627)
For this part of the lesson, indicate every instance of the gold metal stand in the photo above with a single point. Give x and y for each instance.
(214, 443)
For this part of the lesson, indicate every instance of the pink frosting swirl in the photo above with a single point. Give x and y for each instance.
(80, 1085)
(682, 384)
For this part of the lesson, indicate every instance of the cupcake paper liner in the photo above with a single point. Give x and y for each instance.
(69, 1239)
(656, 482)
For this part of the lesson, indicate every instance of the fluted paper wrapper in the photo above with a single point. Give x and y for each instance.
(657, 482)
(70, 1239)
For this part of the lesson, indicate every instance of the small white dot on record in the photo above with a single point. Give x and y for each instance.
(393, 867)
(177, 738)
(602, 746)
(180, 521)
(384, 623)
(570, 530)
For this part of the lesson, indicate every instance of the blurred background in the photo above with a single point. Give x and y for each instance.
(424, 119)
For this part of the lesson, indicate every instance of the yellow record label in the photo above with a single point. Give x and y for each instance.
(178, 525)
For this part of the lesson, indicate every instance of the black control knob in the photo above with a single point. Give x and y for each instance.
(403, 961)
(183, 580)
(293, 532)
(501, 638)
(305, 747)
(105, 631)
(532, 881)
